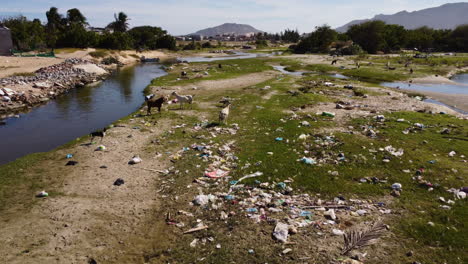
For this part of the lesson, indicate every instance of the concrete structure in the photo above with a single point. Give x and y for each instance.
(6, 43)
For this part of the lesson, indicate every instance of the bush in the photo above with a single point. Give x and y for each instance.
(207, 45)
(110, 60)
(98, 53)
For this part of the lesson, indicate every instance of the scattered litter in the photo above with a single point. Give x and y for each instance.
(69, 156)
(199, 228)
(308, 161)
(337, 232)
(281, 232)
(328, 114)
(218, 173)
(71, 163)
(101, 148)
(42, 194)
(119, 182)
(135, 160)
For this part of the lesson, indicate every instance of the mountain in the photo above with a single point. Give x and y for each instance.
(446, 16)
(227, 28)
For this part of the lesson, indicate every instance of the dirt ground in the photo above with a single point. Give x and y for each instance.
(10, 65)
(93, 218)
(90, 218)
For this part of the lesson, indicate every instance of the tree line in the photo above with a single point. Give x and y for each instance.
(72, 31)
(377, 36)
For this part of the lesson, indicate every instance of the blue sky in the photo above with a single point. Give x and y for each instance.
(187, 16)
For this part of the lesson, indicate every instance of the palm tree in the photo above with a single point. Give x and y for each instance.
(120, 24)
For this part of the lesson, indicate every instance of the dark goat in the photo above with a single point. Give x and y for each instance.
(151, 101)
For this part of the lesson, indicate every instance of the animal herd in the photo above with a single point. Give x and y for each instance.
(154, 102)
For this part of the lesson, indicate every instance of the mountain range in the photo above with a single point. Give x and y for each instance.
(447, 16)
(227, 28)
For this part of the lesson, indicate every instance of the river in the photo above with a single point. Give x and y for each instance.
(77, 113)
(84, 110)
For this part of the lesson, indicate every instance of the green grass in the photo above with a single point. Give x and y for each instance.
(230, 69)
(99, 53)
(374, 74)
(66, 50)
(24, 74)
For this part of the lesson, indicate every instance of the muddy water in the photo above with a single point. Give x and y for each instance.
(77, 113)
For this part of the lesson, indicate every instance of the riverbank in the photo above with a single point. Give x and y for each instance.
(30, 81)
(27, 90)
(320, 175)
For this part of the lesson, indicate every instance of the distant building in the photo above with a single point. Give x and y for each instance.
(196, 37)
(6, 43)
(99, 30)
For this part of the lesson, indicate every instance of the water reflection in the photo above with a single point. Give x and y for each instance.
(77, 113)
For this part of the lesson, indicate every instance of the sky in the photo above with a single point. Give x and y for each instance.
(180, 17)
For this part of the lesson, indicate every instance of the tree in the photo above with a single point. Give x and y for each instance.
(369, 35)
(120, 24)
(74, 16)
(26, 35)
(318, 41)
(54, 26)
(290, 36)
(459, 38)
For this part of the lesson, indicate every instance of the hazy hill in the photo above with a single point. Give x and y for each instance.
(227, 28)
(446, 16)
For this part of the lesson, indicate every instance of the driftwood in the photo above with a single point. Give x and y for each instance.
(355, 239)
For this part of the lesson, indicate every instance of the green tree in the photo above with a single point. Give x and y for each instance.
(318, 41)
(120, 24)
(74, 16)
(459, 38)
(54, 27)
(369, 35)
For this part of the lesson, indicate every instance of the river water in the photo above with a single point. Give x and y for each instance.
(460, 88)
(77, 113)
(84, 110)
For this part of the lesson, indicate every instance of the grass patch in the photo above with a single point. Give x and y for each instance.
(99, 53)
(24, 74)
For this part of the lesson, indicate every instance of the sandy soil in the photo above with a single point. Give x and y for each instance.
(12, 65)
(373, 105)
(459, 101)
(93, 218)
(435, 80)
(225, 84)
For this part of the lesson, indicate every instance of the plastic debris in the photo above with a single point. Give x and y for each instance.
(42, 194)
(328, 114)
(279, 139)
(71, 163)
(337, 232)
(218, 173)
(281, 232)
(308, 161)
(101, 148)
(396, 186)
(119, 182)
(69, 156)
(135, 160)
(204, 199)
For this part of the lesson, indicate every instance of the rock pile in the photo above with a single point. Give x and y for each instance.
(46, 83)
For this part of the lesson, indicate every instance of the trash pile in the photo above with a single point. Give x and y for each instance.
(263, 202)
